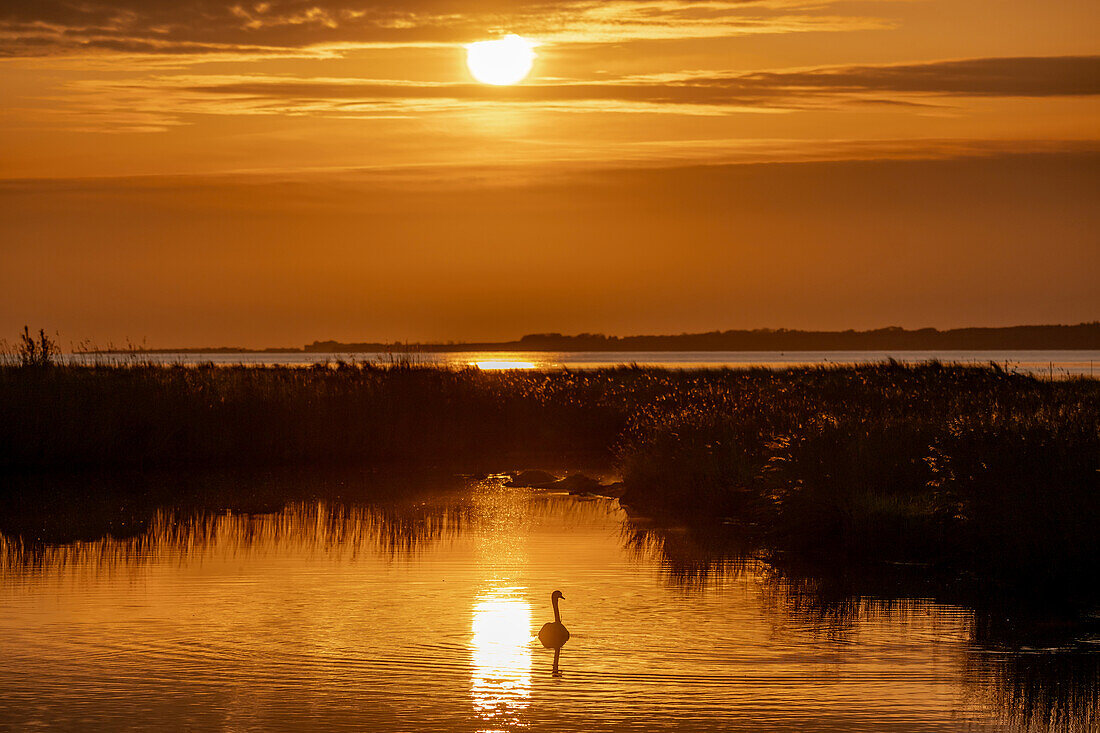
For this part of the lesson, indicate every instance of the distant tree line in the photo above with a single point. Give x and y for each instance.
(1083, 336)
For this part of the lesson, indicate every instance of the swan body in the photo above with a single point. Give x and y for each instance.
(554, 634)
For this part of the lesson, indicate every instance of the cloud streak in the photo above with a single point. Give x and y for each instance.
(155, 103)
(1041, 76)
(903, 85)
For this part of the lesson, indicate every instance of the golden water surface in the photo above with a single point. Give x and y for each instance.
(423, 616)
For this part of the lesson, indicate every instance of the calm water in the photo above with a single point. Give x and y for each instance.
(422, 615)
(1044, 363)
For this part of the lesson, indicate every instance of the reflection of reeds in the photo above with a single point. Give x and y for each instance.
(691, 558)
(126, 520)
(1040, 689)
(390, 530)
(1032, 672)
(79, 522)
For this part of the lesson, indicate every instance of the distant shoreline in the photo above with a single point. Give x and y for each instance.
(1079, 337)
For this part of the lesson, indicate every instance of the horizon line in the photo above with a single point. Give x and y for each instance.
(539, 341)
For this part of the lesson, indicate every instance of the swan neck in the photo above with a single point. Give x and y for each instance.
(557, 615)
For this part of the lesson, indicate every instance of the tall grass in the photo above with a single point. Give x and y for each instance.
(970, 467)
(975, 468)
(31, 351)
(144, 416)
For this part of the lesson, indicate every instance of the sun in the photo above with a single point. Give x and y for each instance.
(501, 62)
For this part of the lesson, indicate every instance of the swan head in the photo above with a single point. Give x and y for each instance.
(556, 595)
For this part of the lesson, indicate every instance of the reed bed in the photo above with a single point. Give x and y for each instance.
(144, 416)
(978, 468)
(972, 467)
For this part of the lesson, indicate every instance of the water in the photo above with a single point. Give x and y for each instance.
(1057, 364)
(421, 614)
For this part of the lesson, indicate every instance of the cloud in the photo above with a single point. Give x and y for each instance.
(158, 102)
(1005, 77)
(49, 27)
(1038, 76)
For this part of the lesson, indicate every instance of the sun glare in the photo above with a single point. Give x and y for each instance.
(495, 364)
(501, 62)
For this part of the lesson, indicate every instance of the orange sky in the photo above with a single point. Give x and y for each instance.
(270, 173)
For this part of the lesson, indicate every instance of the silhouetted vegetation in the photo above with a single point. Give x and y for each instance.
(1080, 336)
(142, 416)
(978, 470)
(972, 469)
(36, 351)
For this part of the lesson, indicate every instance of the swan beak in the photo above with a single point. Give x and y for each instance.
(562, 597)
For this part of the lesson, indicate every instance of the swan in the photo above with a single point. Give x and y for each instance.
(554, 634)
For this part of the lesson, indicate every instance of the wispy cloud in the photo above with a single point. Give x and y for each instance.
(1039, 76)
(1006, 77)
(917, 86)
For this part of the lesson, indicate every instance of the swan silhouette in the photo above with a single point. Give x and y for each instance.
(554, 634)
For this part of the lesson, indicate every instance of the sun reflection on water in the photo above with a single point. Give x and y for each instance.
(501, 673)
(504, 364)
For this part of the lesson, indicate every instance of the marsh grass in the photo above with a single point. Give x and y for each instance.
(142, 416)
(31, 351)
(975, 468)
(979, 469)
